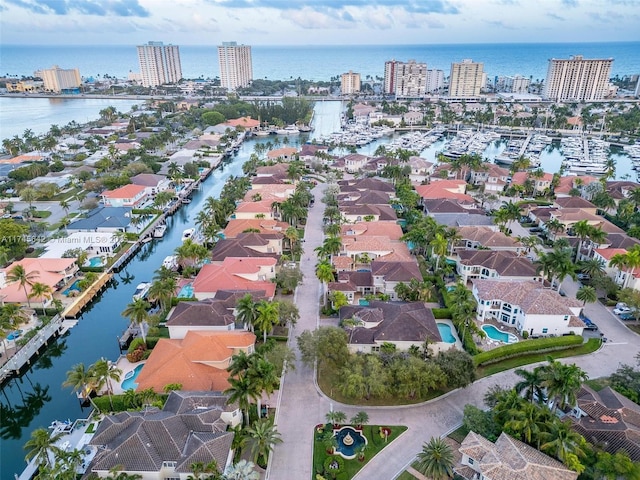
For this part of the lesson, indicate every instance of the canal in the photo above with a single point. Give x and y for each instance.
(37, 397)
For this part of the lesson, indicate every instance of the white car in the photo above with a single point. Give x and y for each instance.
(621, 310)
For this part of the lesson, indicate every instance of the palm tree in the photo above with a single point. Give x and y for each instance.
(162, 291)
(586, 293)
(438, 248)
(40, 291)
(104, 371)
(324, 272)
(246, 311)
(263, 436)
(531, 384)
(81, 381)
(267, 317)
(594, 267)
(627, 261)
(526, 422)
(19, 274)
(562, 382)
(436, 459)
(40, 445)
(243, 470)
(360, 418)
(242, 390)
(137, 312)
(562, 441)
(200, 468)
(291, 234)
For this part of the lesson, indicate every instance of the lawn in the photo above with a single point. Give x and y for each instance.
(375, 443)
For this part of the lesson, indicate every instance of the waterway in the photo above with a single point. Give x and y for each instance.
(37, 398)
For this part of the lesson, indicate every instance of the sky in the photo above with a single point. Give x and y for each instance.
(316, 22)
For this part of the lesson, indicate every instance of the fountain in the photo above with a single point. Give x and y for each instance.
(350, 441)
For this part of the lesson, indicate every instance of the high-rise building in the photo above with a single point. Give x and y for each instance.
(59, 80)
(466, 79)
(637, 92)
(405, 79)
(514, 84)
(577, 79)
(350, 83)
(236, 68)
(435, 81)
(159, 64)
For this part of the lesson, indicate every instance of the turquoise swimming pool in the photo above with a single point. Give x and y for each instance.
(494, 334)
(186, 291)
(95, 262)
(74, 286)
(130, 378)
(445, 332)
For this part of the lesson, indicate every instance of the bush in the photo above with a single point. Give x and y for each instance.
(338, 463)
(441, 313)
(152, 341)
(136, 343)
(526, 346)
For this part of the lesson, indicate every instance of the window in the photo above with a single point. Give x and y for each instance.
(375, 349)
(545, 330)
(470, 461)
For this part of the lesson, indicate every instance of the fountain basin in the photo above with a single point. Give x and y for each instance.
(350, 441)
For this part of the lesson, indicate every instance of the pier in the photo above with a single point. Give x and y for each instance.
(74, 309)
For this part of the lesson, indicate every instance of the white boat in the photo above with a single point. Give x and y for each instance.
(262, 133)
(288, 130)
(141, 290)
(186, 200)
(159, 231)
(188, 233)
(170, 262)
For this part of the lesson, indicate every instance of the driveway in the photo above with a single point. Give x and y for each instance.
(302, 406)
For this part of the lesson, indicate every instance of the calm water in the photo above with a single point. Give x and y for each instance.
(37, 398)
(321, 62)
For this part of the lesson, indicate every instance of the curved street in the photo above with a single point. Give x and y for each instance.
(302, 405)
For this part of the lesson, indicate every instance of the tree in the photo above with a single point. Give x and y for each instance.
(20, 275)
(243, 470)
(562, 382)
(247, 311)
(81, 380)
(336, 417)
(211, 469)
(436, 459)
(40, 291)
(41, 445)
(138, 313)
(104, 371)
(586, 293)
(263, 437)
(242, 390)
(628, 262)
(457, 366)
(328, 345)
(564, 443)
(266, 318)
(531, 384)
(360, 418)
(163, 291)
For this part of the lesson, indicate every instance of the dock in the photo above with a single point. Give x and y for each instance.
(74, 309)
(525, 144)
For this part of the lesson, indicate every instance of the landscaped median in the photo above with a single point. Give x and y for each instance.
(526, 346)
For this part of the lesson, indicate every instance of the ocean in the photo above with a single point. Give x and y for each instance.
(321, 62)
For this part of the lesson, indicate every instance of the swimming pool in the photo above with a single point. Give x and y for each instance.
(445, 332)
(95, 262)
(494, 334)
(186, 291)
(74, 286)
(14, 335)
(130, 378)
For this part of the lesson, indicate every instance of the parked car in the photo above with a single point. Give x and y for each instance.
(627, 316)
(583, 276)
(620, 311)
(535, 230)
(589, 325)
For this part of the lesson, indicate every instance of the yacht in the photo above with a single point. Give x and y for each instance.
(186, 200)
(170, 262)
(288, 130)
(141, 290)
(188, 233)
(159, 231)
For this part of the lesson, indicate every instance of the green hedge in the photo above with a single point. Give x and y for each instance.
(440, 313)
(524, 347)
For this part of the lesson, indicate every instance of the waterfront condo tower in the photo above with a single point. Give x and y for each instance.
(159, 64)
(407, 80)
(466, 79)
(59, 80)
(350, 83)
(236, 68)
(577, 79)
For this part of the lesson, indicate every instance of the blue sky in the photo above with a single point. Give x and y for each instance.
(317, 22)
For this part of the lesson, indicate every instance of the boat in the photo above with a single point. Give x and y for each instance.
(170, 262)
(188, 233)
(262, 133)
(186, 200)
(288, 130)
(141, 291)
(159, 231)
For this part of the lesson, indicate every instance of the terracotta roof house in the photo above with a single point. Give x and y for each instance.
(287, 154)
(473, 237)
(387, 274)
(351, 284)
(153, 443)
(569, 182)
(620, 189)
(309, 153)
(402, 323)
(259, 209)
(258, 245)
(539, 184)
(358, 213)
(342, 263)
(244, 122)
(420, 169)
(351, 163)
(127, 196)
(451, 189)
(498, 264)
(358, 197)
(493, 177)
(53, 272)
(528, 307)
(506, 459)
(575, 202)
(206, 315)
(198, 361)
(389, 229)
(374, 247)
(279, 169)
(236, 274)
(236, 226)
(609, 420)
(620, 240)
(273, 192)
(368, 183)
(621, 276)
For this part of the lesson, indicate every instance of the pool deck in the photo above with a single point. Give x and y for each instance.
(457, 343)
(126, 366)
(488, 343)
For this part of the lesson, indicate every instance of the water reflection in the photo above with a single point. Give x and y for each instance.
(16, 417)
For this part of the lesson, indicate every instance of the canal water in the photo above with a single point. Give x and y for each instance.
(37, 398)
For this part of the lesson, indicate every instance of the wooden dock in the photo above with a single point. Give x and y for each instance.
(74, 309)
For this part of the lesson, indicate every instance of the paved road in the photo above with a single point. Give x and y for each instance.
(302, 405)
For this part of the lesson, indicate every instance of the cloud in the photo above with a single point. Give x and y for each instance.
(608, 17)
(508, 2)
(309, 18)
(119, 8)
(500, 24)
(569, 3)
(554, 16)
(414, 6)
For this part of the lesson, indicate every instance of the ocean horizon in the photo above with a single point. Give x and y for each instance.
(321, 62)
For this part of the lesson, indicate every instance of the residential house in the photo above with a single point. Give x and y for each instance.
(576, 202)
(402, 324)
(528, 307)
(354, 285)
(497, 264)
(473, 237)
(450, 189)
(539, 184)
(352, 163)
(153, 183)
(619, 189)
(237, 226)
(469, 218)
(312, 154)
(493, 177)
(372, 213)
(259, 209)
(248, 245)
(366, 197)
(208, 315)
(389, 229)
(622, 276)
(286, 154)
(278, 170)
(192, 427)
(127, 196)
(269, 192)
(609, 420)
(103, 219)
(508, 458)
(198, 361)
(53, 272)
(246, 123)
(236, 274)
(421, 169)
(367, 184)
(372, 247)
(568, 183)
(386, 275)
(95, 244)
